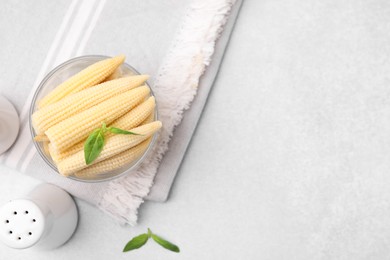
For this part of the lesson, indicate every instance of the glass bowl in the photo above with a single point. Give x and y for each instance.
(57, 76)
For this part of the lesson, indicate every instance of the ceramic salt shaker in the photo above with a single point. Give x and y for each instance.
(9, 124)
(44, 219)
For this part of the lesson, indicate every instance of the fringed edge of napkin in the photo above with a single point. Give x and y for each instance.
(175, 87)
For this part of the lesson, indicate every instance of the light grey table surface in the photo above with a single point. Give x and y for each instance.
(291, 157)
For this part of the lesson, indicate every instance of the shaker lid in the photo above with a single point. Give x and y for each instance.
(22, 223)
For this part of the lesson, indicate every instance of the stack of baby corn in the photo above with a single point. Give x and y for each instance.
(73, 110)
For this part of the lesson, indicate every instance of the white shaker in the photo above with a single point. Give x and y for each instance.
(44, 219)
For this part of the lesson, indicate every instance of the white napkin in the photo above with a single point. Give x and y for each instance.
(156, 40)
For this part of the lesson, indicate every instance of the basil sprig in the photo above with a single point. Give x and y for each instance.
(93, 146)
(141, 240)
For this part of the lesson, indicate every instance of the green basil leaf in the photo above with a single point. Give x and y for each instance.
(93, 146)
(166, 244)
(136, 242)
(115, 130)
(88, 145)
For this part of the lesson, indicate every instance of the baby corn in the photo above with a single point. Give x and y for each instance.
(54, 113)
(114, 145)
(46, 148)
(131, 119)
(149, 119)
(41, 138)
(136, 116)
(114, 162)
(77, 128)
(115, 75)
(88, 77)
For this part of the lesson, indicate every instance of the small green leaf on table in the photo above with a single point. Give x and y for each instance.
(166, 244)
(136, 242)
(141, 240)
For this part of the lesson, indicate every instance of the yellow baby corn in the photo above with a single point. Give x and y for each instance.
(113, 146)
(131, 119)
(54, 113)
(88, 77)
(136, 116)
(149, 119)
(116, 75)
(46, 148)
(114, 162)
(77, 128)
(53, 153)
(41, 138)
